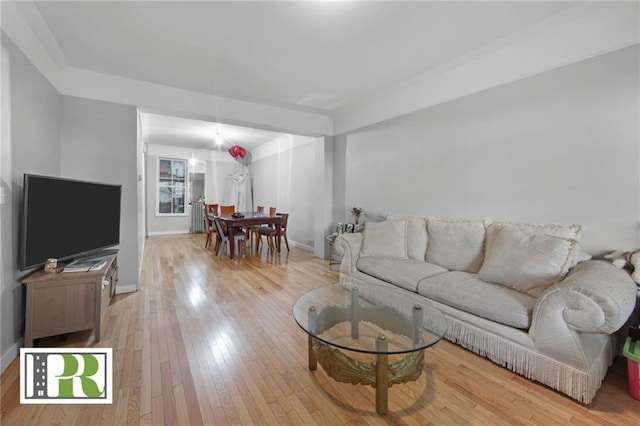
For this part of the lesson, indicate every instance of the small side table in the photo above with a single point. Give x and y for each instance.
(331, 239)
(66, 302)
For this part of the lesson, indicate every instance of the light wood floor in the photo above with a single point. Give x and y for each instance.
(206, 341)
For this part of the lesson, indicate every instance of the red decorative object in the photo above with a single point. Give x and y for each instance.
(234, 151)
(237, 151)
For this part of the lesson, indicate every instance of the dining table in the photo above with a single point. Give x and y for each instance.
(247, 220)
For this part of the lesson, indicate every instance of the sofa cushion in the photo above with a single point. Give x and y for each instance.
(416, 235)
(457, 245)
(467, 292)
(385, 239)
(403, 273)
(573, 232)
(563, 231)
(526, 261)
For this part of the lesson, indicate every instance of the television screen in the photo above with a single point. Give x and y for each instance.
(64, 218)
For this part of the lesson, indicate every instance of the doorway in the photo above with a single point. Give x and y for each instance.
(196, 186)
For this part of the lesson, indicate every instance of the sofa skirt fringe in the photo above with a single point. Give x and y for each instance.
(579, 384)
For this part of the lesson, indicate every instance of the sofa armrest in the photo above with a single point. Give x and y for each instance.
(595, 297)
(348, 245)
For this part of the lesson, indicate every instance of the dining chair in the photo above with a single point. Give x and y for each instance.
(227, 210)
(209, 227)
(283, 228)
(255, 229)
(223, 238)
(271, 233)
(249, 229)
(212, 209)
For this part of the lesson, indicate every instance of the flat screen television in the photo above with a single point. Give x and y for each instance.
(65, 218)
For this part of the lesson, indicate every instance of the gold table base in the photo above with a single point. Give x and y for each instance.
(380, 374)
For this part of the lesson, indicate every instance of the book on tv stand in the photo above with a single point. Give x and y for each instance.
(85, 265)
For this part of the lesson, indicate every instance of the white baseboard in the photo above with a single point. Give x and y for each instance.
(131, 288)
(9, 355)
(174, 232)
(300, 245)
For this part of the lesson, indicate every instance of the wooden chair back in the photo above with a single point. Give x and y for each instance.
(212, 209)
(283, 221)
(283, 228)
(205, 215)
(227, 210)
(208, 226)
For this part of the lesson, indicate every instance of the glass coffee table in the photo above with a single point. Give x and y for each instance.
(371, 319)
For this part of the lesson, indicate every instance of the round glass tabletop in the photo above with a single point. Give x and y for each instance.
(356, 317)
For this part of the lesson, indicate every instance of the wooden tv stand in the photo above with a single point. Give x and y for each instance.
(65, 302)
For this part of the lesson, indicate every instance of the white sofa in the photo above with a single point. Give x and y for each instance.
(522, 295)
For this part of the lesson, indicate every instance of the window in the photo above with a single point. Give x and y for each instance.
(171, 186)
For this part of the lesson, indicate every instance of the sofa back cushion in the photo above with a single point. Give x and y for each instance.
(525, 259)
(572, 232)
(563, 231)
(457, 245)
(416, 235)
(385, 239)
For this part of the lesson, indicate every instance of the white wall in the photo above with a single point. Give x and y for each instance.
(30, 144)
(283, 176)
(5, 179)
(217, 172)
(141, 194)
(322, 193)
(98, 142)
(562, 146)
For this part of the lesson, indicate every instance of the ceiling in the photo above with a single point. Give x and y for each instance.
(167, 130)
(304, 55)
